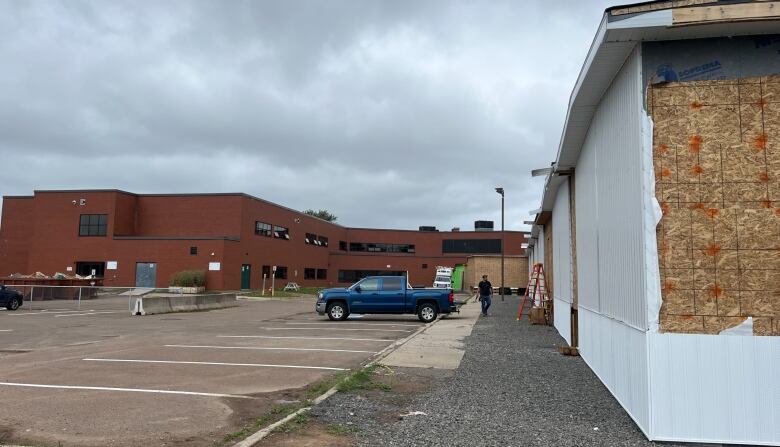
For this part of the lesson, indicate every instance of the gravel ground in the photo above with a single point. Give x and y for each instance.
(501, 395)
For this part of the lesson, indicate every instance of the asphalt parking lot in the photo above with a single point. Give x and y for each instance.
(98, 376)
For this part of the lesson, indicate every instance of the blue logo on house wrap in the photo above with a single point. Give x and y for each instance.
(703, 71)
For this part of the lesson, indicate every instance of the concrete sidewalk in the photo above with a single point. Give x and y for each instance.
(441, 345)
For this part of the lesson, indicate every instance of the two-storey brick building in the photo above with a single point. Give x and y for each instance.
(142, 239)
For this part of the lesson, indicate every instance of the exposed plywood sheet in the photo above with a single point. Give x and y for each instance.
(717, 163)
(726, 13)
(656, 6)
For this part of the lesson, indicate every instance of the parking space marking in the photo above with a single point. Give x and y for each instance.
(306, 338)
(88, 314)
(6, 330)
(330, 329)
(131, 390)
(255, 365)
(44, 312)
(357, 324)
(270, 349)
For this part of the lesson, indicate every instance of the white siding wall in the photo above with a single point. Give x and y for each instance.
(715, 388)
(610, 245)
(609, 207)
(562, 274)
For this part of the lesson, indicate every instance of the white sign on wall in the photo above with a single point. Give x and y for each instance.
(111, 265)
(214, 266)
(69, 269)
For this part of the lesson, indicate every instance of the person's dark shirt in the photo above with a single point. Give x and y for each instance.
(485, 288)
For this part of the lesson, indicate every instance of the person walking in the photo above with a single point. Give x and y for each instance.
(485, 290)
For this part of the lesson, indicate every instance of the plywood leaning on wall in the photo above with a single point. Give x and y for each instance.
(717, 164)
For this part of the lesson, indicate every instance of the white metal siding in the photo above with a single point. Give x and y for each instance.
(617, 353)
(715, 388)
(561, 264)
(609, 204)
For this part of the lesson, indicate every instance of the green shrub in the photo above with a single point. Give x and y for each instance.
(189, 278)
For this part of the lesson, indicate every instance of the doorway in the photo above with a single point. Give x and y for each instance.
(146, 274)
(246, 276)
(94, 268)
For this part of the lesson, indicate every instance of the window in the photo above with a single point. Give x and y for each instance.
(281, 272)
(281, 232)
(381, 248)
(391, 284)
(471, 246)
(262, 229)
(322, 274)
(310, 238)
(309, 273)
(370, 285)
(85, 268)
(343, 245)
(193, 251)
(353, 276)
(323, 241)
(93, 224)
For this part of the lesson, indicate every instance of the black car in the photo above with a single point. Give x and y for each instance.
(9, 298)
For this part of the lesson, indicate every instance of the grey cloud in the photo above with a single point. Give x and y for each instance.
(390, 114)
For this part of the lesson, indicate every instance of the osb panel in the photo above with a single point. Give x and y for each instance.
(716, 157)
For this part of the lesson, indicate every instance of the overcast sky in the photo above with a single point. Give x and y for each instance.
(390, 114)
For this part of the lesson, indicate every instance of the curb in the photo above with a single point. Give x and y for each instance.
(262, 433)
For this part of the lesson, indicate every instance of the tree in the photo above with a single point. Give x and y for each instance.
(322, 214)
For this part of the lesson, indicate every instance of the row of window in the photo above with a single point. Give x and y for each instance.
(268, 230)
(381, 248)
(312, 273)
(352, 276)
(313, 239)
(471, 246)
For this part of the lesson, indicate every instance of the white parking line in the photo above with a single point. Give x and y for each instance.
(6, 330)
(356, 323)
(87, 314)
(131, 390)
(330, 329)
(44, 312)
(305, 338)
(256, 365)
(270, 349)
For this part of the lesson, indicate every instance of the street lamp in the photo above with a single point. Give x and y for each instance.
(501, 191)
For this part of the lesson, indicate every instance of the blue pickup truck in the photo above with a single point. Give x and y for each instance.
(385, 295)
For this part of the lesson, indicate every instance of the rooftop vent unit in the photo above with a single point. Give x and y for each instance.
(456, 229)
(483, 225)
(426, 228)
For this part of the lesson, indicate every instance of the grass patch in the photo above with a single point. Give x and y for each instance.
(321, 386)
(280, 293)
(295, 424)
(341, 430)
(363, 379)
(245, 431)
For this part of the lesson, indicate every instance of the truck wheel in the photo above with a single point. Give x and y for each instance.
(427, 313)
(337, 311)
(13, 304)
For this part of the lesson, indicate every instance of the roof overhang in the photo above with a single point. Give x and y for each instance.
(620, 30)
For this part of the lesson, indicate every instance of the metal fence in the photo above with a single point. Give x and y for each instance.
(78, 298)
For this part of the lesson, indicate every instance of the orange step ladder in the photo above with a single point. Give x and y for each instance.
(536, 291)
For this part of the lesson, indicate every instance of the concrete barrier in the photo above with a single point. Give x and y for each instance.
(150, 305)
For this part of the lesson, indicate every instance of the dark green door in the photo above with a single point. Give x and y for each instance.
(246, 276)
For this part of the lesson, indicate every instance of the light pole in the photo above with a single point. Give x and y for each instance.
(501, 191)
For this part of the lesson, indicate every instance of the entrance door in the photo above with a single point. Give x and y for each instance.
(146, 274)
(246, 276)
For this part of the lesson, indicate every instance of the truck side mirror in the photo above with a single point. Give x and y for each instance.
(357, 289)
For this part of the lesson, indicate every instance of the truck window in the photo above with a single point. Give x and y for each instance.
(391, 284)
(370, 284)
